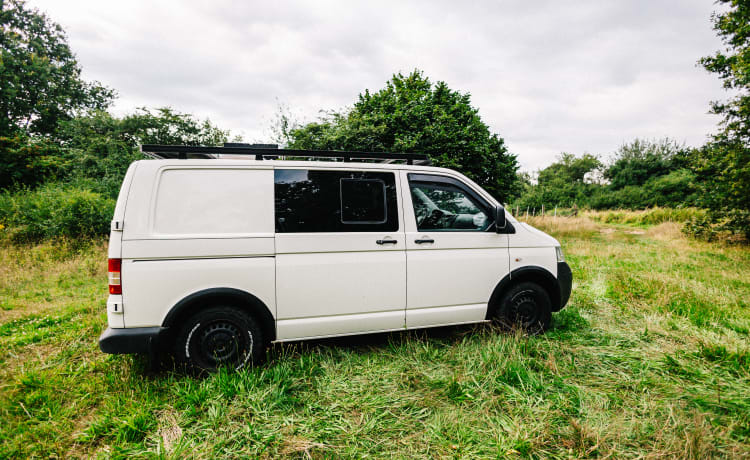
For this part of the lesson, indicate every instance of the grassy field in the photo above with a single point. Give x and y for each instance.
(651, 358)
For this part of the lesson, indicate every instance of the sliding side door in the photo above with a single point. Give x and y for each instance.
(340, 252)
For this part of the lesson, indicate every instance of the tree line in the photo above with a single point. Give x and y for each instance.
(641, 174)
(63, 154)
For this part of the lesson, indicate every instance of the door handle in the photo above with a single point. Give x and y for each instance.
(386, 241)
(424, 240)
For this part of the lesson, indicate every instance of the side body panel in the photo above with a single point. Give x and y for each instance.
(532, 247)
(191, 228)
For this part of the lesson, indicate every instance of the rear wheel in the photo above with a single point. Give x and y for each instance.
(526, 306)
(222, 336)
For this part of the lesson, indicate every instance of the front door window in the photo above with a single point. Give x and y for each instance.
(444, 207)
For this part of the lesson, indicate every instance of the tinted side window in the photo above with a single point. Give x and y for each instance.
(363, 201)
(334, 201)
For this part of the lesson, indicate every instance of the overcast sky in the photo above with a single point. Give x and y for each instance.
(549, 77)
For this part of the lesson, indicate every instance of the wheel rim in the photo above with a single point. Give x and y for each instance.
(524, 310)
(220, 342)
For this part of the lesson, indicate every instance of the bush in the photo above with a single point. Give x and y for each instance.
(653, 216)
(27, 162)
(700, 227)
(54, 210)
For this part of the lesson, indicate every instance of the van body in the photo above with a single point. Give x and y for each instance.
(219, 257)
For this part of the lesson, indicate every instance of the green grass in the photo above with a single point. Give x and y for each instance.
(651, 358)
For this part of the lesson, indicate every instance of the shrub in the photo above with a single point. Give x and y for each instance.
(27, 162)
(652, 216)
(700, 227)
(54, 210)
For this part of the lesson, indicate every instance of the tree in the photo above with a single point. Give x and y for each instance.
(640, 160)
(412, 115)
(40, 79)
(723, 164)
(99, 147)
(563, 183)
(569, 168)
(28, 162)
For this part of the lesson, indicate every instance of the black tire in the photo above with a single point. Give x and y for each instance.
(222, 336)
(526, 306)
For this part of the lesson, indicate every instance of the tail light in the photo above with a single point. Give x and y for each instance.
(114, 276)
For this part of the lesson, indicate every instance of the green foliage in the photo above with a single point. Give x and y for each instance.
(29, 162)
(646, 217)
(412, 115)
(40, 79)
(99, 147)
(641, 160)
(569, 169)
(642, 174)
(723, 165)
(54, 211)
(700, 227)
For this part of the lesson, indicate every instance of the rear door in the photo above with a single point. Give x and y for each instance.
(454, 257)
(340, 252)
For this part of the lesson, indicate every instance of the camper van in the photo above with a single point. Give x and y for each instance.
(216, 252)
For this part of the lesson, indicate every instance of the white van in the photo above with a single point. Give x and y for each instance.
(215, 258)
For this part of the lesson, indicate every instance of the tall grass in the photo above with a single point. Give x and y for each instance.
(649, 360)
(651, 216)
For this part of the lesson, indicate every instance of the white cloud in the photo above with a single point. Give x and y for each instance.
(547, 76)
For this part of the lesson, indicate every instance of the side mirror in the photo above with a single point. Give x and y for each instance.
(500, 222)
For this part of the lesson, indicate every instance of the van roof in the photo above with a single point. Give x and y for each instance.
(272, 164)
(271, 151)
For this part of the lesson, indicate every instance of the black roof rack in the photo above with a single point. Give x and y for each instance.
(271, 151)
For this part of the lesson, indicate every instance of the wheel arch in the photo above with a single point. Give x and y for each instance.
(236, 297)
(533, 273)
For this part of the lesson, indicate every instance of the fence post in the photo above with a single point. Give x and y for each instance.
(542, 213)
(555, 211)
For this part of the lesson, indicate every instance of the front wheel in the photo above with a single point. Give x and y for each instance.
(220, 337)
(526, 306)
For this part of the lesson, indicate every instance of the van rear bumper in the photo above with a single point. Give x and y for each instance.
(565, 283)
(133, 340)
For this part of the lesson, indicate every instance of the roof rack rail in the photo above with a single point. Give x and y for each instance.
(271, 151)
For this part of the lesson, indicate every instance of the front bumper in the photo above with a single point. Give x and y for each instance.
(133, 340)
(565, 283)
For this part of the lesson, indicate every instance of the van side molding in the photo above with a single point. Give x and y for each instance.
(236, 297)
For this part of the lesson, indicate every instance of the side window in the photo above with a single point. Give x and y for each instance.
(441, 206)
(363, 201)
(309, 201)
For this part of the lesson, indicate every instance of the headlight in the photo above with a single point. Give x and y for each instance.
(560, 256)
